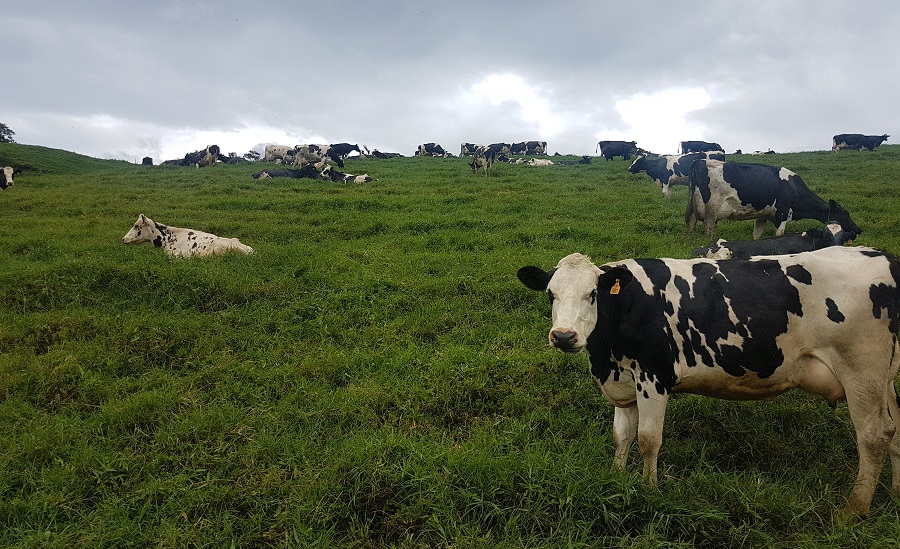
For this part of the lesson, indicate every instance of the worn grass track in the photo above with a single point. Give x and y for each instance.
(375, 375)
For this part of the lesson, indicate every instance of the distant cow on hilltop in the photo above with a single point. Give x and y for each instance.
(856, 141)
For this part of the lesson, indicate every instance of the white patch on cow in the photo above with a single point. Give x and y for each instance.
(179, 242)
(574, 292)
(785, 173)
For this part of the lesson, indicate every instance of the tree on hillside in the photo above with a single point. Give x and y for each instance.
(6, 134)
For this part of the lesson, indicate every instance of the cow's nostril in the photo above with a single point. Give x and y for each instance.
(563, 338)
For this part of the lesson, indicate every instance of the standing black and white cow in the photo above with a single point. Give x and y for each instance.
(856, 141)
(500, 148)
(611, 149)
(537, 148)
(825, 322)
(669, 170)
(468, 149)
(275, 152)
(6, 177)
(484, 159)
(431, 149)
(344, 149)
(700, 146)
(728, 190)
(831, 234)
(313, 154)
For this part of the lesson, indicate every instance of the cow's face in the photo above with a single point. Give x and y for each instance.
(572, 289)
(639, 165)
(6, 177)
(142, 231)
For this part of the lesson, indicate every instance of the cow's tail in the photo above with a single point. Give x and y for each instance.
(597, 149)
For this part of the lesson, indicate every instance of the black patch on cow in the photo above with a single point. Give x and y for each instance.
(800, 274)
(157, 242)
(834, 314)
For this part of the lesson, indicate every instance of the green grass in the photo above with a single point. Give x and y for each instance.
(375, 375)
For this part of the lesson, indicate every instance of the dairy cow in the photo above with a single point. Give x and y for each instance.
(484, 159)
(538, 148)
(669, 170)
(856, 141)
(825, 322)
(728, 190)
(344, 149)
(319, 155)
(831, 234)
(275, 152)
(431, 149)
(699, 146)
(468, 149)
(178, 242)
(6, 177)
(611, 149)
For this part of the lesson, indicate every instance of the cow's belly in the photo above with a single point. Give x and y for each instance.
(733, 209)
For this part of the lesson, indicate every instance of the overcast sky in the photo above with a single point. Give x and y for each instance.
(127, 79)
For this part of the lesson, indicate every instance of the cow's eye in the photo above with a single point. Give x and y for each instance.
(550, 295)
(593, 296)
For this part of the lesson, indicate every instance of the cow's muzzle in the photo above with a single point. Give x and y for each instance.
(565, 340)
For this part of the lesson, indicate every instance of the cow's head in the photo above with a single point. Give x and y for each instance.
(572, 288)
(836, 212)
(142, 231)
(639, 165)
(835, 235)
(6, 176)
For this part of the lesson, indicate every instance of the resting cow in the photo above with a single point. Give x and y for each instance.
(856, 141)
(728, 190)
(431, 149)
(831, 234)
(178, 242)
(669, 170)
(6, 177)
(825, 322)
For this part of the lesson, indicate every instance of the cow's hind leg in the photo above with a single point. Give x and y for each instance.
(894, 448)
(625, 424)
(875, 429)
(759, 226)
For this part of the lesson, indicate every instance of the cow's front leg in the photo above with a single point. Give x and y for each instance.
(651, 416)
(759, 226)
(625, 426)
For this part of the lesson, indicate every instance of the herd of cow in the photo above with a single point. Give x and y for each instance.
(747, 320)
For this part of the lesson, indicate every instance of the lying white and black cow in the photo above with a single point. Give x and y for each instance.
(484, 159)
(856, 141)
(825, 322)
(310, 171)
(178, 242)
(831, 234)
(699, 146)
(6, 177)
(611, 149)
(669, 170)
(728, 190)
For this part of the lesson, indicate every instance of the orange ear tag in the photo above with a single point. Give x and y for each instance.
(615, 288)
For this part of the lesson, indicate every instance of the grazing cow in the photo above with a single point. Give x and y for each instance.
(825, 322)
(431, 149)
(699, 147)
(856, 141)
(728, 190)
(831, 234)
(538, 148)
(611, 149)
(484, 158)
(669, 170)
(468, 149)
(6, 177)
(178, 242)
(344, 149)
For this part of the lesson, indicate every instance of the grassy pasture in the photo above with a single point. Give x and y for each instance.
(375, 375)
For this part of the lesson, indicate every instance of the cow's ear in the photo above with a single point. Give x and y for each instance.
(535, 278)
(614, 280)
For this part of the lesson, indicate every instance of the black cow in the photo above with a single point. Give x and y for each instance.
(824, 322)
(669, 170)
(6, 177)
(484, 158)
(146, 161)
(831, 234)
(611, 149)
(699, 146)
(431, 149)
(856, 141)
(728, 190)
(344, 149)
